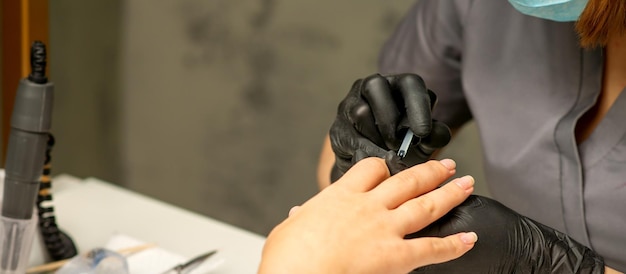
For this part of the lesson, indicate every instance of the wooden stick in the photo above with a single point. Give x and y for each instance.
(58, 264)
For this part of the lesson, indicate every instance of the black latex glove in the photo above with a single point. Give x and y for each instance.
(374, 117)
(508, 243)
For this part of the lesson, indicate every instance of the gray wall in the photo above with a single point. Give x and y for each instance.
(85, 66)
(216, 106)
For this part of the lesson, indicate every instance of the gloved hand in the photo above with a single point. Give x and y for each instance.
(374, 117)
(508, 243)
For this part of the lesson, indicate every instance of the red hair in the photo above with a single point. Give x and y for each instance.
(600, 20)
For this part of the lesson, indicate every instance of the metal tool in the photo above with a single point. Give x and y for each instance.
(191, 264)
(406, 142)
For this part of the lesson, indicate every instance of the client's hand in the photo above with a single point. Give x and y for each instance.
(358, 224)
(509, 243)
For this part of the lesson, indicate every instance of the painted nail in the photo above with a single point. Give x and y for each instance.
(448, 163)
(469, 237)
(465, 182)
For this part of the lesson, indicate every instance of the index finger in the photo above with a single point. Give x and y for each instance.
(418, 102)
(419, 212)
(379, 95)
(364, 175)
(413, 182)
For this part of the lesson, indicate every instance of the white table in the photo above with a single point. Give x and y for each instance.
(91, 211)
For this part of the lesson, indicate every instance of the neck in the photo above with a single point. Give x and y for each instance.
(613, 83)
(615, 62)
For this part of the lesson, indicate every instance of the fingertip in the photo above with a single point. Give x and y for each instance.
(466, 182)
(438, 250)
(293, 210)
(448, 163)
(440, 135)
(461, 243)
(468, 238)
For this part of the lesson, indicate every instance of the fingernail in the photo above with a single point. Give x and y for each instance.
(448, 163)
(466, 182)
(469, 237)
(293, 210)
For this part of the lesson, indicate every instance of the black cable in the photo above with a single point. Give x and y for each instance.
(58, 244)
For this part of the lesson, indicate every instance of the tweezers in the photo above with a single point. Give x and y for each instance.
(190, 265)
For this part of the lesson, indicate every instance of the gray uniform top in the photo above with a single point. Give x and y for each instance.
(525, 82)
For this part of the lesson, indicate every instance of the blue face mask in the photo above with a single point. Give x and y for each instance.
(555, 10)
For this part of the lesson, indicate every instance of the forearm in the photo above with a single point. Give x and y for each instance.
(608, 270)
(325, 164)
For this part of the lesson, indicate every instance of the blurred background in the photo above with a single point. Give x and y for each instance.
(216, 106)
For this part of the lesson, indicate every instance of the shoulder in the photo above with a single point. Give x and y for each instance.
(442, 10)
(461, 12)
